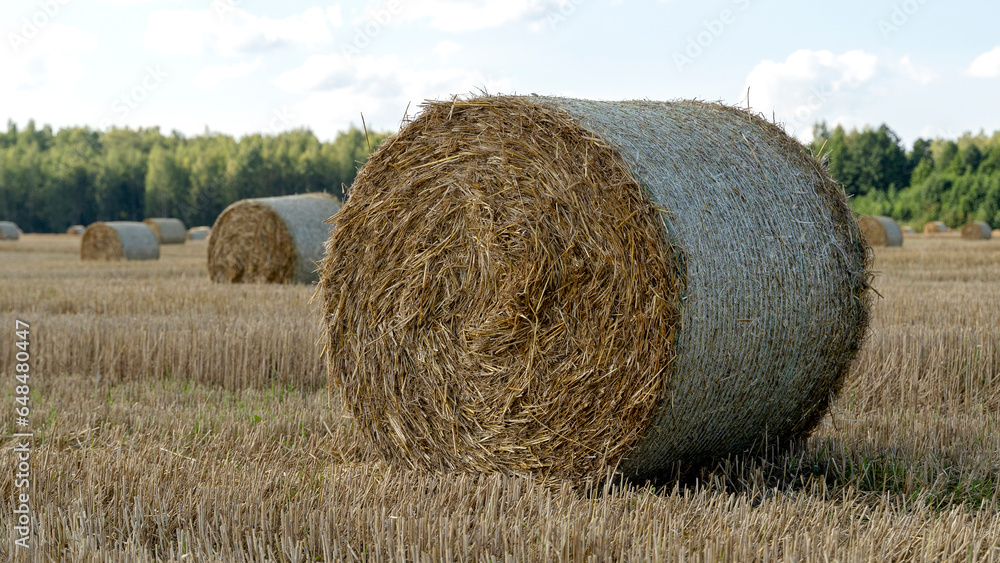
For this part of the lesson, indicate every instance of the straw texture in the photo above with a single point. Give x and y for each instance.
(119, 240)
(561, 287)
(9, 231)
(199, 233)
(881, 231)
(167, 230)
(932, 227)
(976, 230)
(76, 230)
(272, 239)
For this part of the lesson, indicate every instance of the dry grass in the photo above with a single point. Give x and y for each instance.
(165, 460)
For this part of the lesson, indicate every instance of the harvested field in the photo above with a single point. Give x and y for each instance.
(151, 444)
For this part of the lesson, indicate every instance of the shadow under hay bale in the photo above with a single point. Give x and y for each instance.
(561, 287)
(118, 240)
(933, 227)
(881, 231)
(9, 231)
(271, 239)
(167, 230)
(199, 233)
(976, 230)
(76, 230)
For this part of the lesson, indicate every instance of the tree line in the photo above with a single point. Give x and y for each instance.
(954, 181)
(51, 180)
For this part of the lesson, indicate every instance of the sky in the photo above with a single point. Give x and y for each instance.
(926, 68)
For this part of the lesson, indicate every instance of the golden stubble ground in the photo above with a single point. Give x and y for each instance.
(178, 419)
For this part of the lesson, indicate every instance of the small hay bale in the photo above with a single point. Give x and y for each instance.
(976, 230)
(880, 230)
(996, 232)
(9, 231)
(199, 233)
(908, 230)
(76, 230)
(562, 287)
(117, 240)
(271, 239)
(168, 230)
(933, 227)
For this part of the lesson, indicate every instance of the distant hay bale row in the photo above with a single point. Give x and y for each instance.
(881, 231)
(76, 230)
(271, 239)
(118, 240)
(199, 233)
(167, 230)
(9, 231)
(976, 230)
(562, 287)
(932, 227)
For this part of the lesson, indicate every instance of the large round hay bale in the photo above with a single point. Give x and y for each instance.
(76, 230)
(9, 231)
(933, 227)
(117, 240)
(976, 230)
(271, 239)
(199, 233)
(561, 287)
(881, 231)
(167, 230)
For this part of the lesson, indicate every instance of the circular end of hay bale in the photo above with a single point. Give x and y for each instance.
(119, 240)
(9, 231)
(976, 230)
(934, 227)
(881, 231)
(271, 240)
(167, 230)
(535, 285)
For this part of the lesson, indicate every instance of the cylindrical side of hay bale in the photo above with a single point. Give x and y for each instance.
(881, 231)
(271, 239)
(561, 287)
(117, 240)
(932, 227)
(199, 233)
(976, 230)
(76, 230)
(9, 231)
(167, 230)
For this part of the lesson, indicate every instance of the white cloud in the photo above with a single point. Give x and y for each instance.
(986, 65)
(235, 32)
(50, 59)
(811, 86)
(446, 48)
(212, 75)
(338, 90)
(472, 15)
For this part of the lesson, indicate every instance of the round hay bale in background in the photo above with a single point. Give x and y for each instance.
(167, 230)
(908, 230)
(932, 227)
(976, 230)
(880, 230)
(271, 239)
(76, 230)
(996, 232)
(199, 233)
(561, 287)
(9, 231)
(117, 240)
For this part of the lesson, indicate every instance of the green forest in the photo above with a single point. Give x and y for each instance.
(49, 181)
(954, 181)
